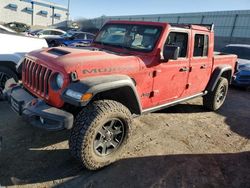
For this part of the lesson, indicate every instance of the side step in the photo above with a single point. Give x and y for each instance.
(166, 105)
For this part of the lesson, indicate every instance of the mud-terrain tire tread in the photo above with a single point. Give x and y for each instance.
(209, 100)
(84, 125)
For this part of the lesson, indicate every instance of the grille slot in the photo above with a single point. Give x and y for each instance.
(36, 77)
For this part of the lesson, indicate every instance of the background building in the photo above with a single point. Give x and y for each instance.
(230, 26)
(32, 12)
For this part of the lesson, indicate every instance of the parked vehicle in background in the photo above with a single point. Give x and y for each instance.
(33, 32)
(13, 47)
(47, 33)
(18, 27)
(72, 37)
(4, 29)
(93, 30)
(242, 75)
(132, 68)
(79, 44)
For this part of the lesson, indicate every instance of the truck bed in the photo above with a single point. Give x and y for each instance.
(224, 59)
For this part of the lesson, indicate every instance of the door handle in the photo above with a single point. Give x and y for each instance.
(204, 66)
(184, 69)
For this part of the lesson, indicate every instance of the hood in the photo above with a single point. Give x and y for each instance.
(87, 60)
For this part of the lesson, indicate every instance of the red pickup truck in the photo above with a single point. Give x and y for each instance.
(132, 68)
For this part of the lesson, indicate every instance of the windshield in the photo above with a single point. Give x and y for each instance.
(135, 37)
(65, 35)
(241, 52)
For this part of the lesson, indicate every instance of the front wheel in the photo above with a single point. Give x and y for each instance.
(100, 131)
(5, 74)
(215, 99)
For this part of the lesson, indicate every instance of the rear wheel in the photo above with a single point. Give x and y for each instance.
(215, 99)
(100, 131)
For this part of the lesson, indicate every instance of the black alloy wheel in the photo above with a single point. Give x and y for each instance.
(109, 137)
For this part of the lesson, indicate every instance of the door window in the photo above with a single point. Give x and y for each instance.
(80, 36)
(90, 37)
(180, 40)
(56, 33)
(200, 45)
(46, 32)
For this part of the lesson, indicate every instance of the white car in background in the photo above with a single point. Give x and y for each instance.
(47, 33)
(13, 47)
(4, 29)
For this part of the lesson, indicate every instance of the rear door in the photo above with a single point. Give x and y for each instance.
(170, 77)
(200, 63)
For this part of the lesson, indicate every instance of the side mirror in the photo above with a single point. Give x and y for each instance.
(171, 52)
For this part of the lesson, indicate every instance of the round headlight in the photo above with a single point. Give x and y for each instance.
(59, 81)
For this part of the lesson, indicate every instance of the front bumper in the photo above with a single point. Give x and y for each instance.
(36, 111)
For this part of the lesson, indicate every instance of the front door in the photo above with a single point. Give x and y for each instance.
(170, 77)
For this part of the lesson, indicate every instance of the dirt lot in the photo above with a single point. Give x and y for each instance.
(183, 146)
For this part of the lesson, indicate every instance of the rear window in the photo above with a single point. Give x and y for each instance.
(241, 52)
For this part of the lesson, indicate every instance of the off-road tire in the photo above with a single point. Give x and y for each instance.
(10, 73)
(85, 128)
(210, 100)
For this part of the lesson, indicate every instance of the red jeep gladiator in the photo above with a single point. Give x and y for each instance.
(131, 68)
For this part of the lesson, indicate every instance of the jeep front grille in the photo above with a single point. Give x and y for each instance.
(36, 77)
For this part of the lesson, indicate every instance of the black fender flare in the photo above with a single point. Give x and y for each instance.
(11, 65)
(105, 83)
(217, 73)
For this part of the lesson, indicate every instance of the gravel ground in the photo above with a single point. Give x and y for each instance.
(182, 146)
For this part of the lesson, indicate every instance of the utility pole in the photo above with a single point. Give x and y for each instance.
(53, 15)
(32, 14)
(68, 14)
(68, 10)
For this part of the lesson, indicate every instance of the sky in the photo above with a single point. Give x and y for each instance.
(97, 8)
